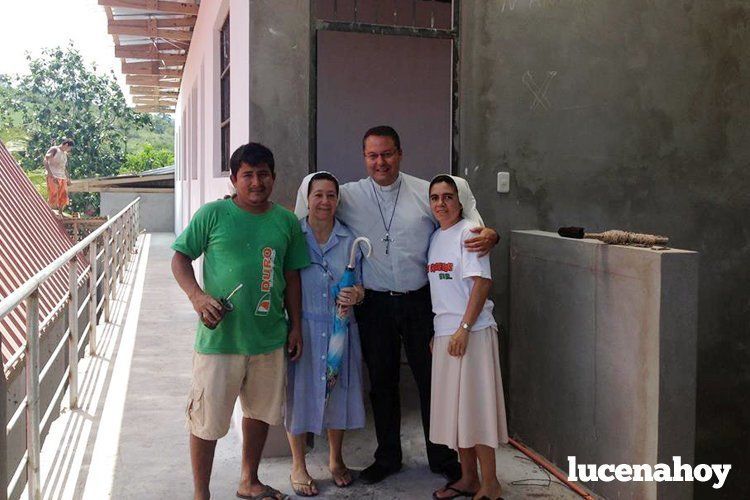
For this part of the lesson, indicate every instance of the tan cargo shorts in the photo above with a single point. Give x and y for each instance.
(259, 381)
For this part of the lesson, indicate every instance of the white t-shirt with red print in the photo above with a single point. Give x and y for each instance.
(450, 267)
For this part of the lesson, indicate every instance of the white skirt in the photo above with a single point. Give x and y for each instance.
(468, 407)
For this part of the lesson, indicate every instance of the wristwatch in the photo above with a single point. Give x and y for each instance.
(466, 327)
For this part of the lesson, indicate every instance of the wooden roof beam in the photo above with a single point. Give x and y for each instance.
(155, 105)
(154, 100)
(151, 32)
(149, 68)
(154, 6)
(143, 53)
(158, 45)
(154, 109)
(151, 81)
(171, 99)
(152, 90)
(168, 59)
(158, 22)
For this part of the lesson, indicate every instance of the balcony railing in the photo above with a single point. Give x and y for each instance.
(112, 244)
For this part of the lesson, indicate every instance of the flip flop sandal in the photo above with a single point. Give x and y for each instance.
(267, 493)
(457, 493)
(297, 485)
(341, 476)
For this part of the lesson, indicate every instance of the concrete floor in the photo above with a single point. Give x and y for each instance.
(128, 441)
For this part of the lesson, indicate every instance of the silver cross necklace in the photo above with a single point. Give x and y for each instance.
(387, 238)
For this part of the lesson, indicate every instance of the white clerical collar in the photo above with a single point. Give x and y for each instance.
(391, 187)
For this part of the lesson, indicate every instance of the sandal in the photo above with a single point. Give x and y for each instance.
(267, 493)
(298, 485)
(342, 477)
(457, 493)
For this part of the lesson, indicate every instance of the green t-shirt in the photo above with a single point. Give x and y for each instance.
(255, 250)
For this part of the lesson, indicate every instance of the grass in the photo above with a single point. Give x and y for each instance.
(38, 178)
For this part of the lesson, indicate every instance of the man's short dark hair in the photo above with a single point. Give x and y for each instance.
(67, 142)
(252, 153)
(322, 176)
(383, 131)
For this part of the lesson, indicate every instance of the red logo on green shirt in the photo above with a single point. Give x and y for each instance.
(266, 282)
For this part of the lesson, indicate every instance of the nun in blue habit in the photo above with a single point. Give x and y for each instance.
(329, 242)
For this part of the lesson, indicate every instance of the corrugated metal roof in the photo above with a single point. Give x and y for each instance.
(31, 237)
(146, 173)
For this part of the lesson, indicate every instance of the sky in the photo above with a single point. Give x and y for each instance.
(31, 25)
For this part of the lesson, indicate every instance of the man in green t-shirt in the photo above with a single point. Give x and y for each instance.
(250, 241)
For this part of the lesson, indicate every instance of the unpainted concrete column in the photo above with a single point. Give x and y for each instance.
(3, 446)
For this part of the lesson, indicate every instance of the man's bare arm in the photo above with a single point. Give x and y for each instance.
(485, 240)
(208, 308)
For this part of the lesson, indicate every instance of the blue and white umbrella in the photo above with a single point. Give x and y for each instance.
(337, 340)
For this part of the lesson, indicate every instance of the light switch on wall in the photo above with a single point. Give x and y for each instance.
(503, 182)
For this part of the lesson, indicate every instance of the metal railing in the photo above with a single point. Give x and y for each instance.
(118, 237)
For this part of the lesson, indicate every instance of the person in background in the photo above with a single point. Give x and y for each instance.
(58, 180)
(467, 412)
(329, 242)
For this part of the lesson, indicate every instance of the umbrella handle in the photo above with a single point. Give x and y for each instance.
(353, 255)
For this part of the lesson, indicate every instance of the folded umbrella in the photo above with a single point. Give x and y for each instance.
(337, 339)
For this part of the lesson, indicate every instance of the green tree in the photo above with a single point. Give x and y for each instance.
(146, 159)
(12, 132)
(62, 96)
(159, 134)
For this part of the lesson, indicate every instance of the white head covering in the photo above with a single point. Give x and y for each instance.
(301, 207)
(467, 200)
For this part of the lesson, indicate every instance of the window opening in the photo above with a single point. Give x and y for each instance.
(225, 91)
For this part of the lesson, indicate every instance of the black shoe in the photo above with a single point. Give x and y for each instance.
(451, 471)
(376, 473)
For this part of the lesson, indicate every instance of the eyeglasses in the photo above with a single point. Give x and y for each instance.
(386, 155)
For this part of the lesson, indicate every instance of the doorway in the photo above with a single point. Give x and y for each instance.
(384, 63)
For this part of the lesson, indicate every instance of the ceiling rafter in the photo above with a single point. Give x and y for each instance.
(162, 6)
(152, 38)
(151, 32)
(151, 81)
(149, 68)
(159, 22)
(154, 109)
(153, 91)
(164, 45)
(154, 55)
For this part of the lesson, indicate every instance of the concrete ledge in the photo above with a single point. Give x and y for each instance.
(602, 354)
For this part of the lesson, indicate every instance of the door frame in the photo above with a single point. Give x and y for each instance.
(453, 34)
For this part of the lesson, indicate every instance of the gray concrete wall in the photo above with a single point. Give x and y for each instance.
(157, 209)
(596, 332)
(3, 446)
(279, 88)
(641, 126)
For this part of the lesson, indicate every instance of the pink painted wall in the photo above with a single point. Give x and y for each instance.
(199, 178)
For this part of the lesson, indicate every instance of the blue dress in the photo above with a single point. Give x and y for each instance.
(306, 410)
